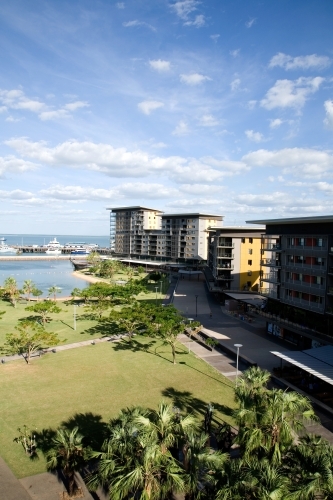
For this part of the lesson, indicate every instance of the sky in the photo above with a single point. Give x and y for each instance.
(215, 106)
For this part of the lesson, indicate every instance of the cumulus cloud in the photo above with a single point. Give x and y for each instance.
(148, 106)
(11, 164)
(16, 99)
(300, 62)
(12, 119)
(328, 105)
(160, 65)
(275, 123)
(198, 21)
(121, 163)
(250, 22)
(16, 194)
(184, 8)
(181, 128)
(305, 162)
(235, 84)
(234, 53)
(291, 93)
(54, 115)
(263, 199)
(215, 38)
(193, 78)
(72, 106)
(208, 121)
(254, 136)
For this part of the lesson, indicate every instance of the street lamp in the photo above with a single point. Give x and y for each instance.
(238, 347)
(156, 288)
(196, 305)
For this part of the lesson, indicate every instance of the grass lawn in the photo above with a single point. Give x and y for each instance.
(88, 385)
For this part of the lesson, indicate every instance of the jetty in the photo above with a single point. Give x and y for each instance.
(64, 251)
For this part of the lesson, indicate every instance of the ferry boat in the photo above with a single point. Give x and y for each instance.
(80, 251)
(54, 245)
(5, 248)
(53, 251)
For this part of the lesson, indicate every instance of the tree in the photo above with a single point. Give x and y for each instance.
(76, 292)
(43, 309)
(28, 288)
(96, 309)
(53, 290)
(108, 268)
(37, 293)
(10, 290)
(168, 333)
(94, 258)
(131, 319)
(31, 337)
(68, 454)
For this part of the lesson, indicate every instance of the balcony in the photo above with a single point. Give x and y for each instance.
(304, 304)
(270, 277)
(225, 244)
(267, 245)
(224, 255)
(270, 263)
(316, 268)
(228, 266)
(272, 294)
(224, 277)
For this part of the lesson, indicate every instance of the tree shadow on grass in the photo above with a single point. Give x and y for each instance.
(44, 439)
(134, 346)
(91, 427)
(188, 403)
(105, 329)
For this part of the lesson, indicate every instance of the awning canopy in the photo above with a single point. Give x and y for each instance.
(144, 262)
(312, 361)
(250, 298)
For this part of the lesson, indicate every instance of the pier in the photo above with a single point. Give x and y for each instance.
(64, 251)
(43, 256)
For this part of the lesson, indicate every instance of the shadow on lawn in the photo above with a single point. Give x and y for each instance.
(187, 402)
(91, 427)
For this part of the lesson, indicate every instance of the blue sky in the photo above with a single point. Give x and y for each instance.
(216, 106)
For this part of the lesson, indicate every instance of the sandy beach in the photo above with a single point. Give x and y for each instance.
(89, 279)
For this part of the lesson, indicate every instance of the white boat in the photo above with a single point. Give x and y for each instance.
(53, 251)
(5, 248)
(54, 245)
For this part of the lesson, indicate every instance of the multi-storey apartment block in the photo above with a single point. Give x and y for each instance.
(297, 275)
(141, 232)
(234, 257)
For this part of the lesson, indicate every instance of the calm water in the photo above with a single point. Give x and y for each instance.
(43, 239)
(43, 273)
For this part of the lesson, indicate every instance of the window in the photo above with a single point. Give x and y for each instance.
(249, 273)
(320, 242)
(243, 240)
(250, 251)
(249, 283)
(250, 240)
(249, 262)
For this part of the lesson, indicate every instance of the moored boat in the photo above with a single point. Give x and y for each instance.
(4, 248)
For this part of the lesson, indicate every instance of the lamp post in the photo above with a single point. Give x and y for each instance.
(74, 316)
(238, 347)
(156, 288)
(196, 306)
(161, 289)
(190, 320)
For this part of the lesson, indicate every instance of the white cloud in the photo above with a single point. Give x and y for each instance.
(198, 22)
(135, 22)
(158, 145)
(16, 99)
(54, 115)
(194, 78)
(254, 136)
(121, 163)
(11, 164)
(73, 106)
(208, 121)
(12, 119)
(324, 186)
(291, 93)
(250, 22)
(215, 38)
(148, 106)
(301, 62)
(184, 8)
(16, 194)
(263, 199)
(235, 84)
(160, 65)
(302, 162)
(120, 5)
(252, 104)
(328, 105)
(181, 129)
(234, 53)
(275, 123)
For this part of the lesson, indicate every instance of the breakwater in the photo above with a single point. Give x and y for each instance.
(64, 251)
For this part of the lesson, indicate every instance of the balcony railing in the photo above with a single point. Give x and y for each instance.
(230, 267)
(304, 304)
(270, 262)
(269, 293)
(225, 256)
(273, 278)
(270, 246)
(303, 265)
(224, 244)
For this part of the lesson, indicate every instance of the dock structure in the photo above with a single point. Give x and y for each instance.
(64, 251)
(27, 256)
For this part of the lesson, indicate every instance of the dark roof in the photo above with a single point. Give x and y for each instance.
(194, 215)
(294, 220)
(121, 209)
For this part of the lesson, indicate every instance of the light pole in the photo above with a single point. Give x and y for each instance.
(190, 320)
(196, 306)
(161, 289)
(156, 288)
(74, 316)
(238, 347)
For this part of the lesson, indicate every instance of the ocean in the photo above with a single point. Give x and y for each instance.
(46, 273)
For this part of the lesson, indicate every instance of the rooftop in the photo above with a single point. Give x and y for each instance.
(194, 215)
(127, 209)
(294, 220)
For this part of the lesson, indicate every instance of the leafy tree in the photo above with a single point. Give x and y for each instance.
(28, 288)
(30, 337)
(37, 293)
(108, 268)
(27, 438)
(43, 309)
(54, 290)
(76, 292)
(94, 259)
(10, 290)
(132, 319)
(168, 333)
(155, 276)
(96, 309)
(68, 454)
(141, 270)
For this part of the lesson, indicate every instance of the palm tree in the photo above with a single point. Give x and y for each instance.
(54, 289)
(11, 290)
(68, 454)
(28, 288)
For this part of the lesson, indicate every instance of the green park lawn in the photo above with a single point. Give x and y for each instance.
(87, 386)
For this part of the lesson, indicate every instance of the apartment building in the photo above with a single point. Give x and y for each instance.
(141, 232)
(234, 255)
(297, 277)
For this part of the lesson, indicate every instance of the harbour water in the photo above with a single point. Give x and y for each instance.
(44, 239)
(44, 273)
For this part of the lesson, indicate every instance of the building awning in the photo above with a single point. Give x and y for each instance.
(249, 298)
(311, 364)
(144, 262)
